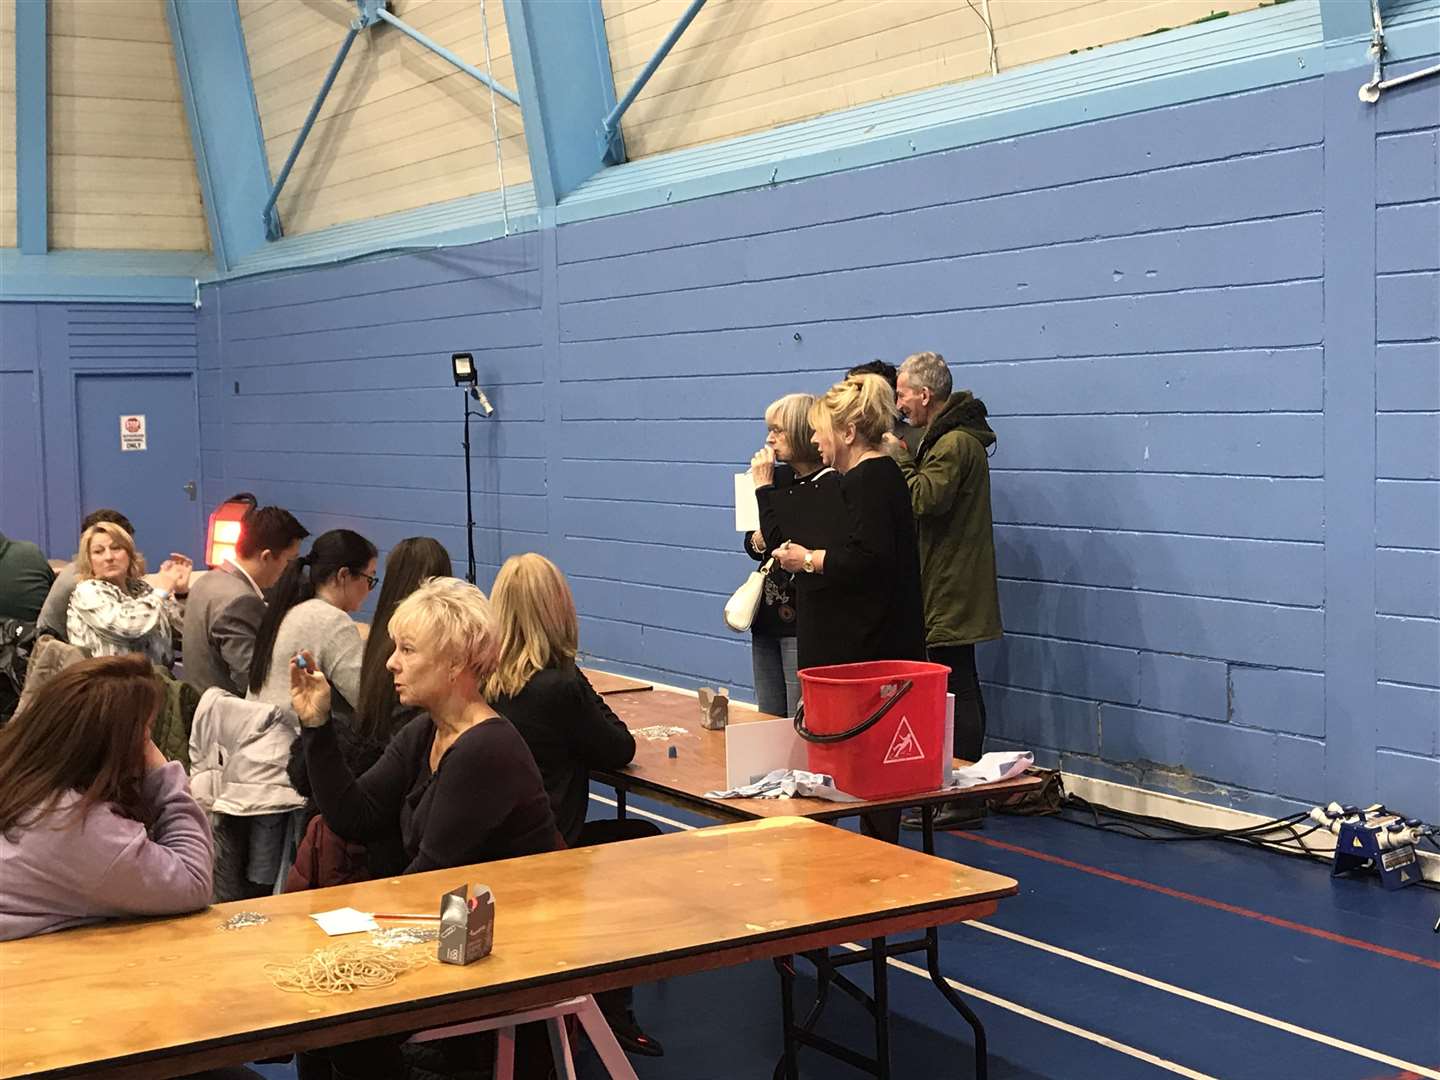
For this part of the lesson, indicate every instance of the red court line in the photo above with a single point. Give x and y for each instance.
(1340, 939)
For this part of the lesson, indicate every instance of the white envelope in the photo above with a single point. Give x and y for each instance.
(747, 510)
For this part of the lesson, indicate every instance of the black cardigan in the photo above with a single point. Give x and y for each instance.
(485, 801)
(570, 730)
(867, 604)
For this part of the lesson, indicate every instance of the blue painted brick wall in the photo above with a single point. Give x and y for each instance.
(1142, 303)
(1407, 452)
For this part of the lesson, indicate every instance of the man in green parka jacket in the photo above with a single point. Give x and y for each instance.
(949, 478)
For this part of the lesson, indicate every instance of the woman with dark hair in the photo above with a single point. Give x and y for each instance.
(311, 609)
(94, 822)
(378, 712)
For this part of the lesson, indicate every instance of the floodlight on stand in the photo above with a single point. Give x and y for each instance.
(462, 366)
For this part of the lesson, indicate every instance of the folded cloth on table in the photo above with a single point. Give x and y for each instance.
(785, 784)
(990, 768)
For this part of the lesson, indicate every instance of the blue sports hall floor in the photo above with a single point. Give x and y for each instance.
(1120, 958)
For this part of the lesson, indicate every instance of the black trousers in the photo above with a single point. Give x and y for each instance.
(964, 683)
(610, 830)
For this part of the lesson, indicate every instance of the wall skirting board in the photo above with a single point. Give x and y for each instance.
(1201, 815)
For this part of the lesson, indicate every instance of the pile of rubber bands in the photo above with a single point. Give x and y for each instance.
(343, 969)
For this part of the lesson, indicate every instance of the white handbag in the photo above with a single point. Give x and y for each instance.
(740, 609)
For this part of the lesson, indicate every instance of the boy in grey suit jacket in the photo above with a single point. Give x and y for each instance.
(226, 605)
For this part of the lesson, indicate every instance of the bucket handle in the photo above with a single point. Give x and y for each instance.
(864, 725)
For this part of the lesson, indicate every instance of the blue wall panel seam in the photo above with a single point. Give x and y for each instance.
(1133, 590)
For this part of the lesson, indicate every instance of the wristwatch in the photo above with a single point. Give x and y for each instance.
(809, 562)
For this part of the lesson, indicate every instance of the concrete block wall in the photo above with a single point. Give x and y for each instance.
(1407, 452)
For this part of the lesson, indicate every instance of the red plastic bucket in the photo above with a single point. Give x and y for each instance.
(877, 727)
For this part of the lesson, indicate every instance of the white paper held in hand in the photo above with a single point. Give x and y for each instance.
(747, 510)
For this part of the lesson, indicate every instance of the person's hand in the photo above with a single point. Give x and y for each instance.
(174, 573)
(891, 444)
(182, 584)
(153, 757)
(309, 692)
(791, 557)
(762, 467)
(757, 541)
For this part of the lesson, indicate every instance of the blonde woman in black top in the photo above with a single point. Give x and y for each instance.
(870, 607)
(537, 686)
(860, 597)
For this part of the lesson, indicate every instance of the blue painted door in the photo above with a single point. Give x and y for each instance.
(154, 487)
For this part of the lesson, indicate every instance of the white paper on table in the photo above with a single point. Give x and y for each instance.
(756, 747)
(747, 510)
(345, 920)
(947, 771)
(991, 767)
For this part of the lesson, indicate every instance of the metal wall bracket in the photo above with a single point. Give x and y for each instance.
(610, 143)
(371, 13)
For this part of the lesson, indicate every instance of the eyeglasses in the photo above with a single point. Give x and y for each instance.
(372, 582)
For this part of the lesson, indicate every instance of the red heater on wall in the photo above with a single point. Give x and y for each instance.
(223, 532)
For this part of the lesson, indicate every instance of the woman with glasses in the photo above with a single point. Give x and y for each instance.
(311, 610)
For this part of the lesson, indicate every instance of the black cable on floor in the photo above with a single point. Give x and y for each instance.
(1252, 835)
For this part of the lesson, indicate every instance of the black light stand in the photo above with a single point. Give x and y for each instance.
(462, 366)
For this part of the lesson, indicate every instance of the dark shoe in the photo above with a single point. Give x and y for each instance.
(947, 817)
(631, 1039)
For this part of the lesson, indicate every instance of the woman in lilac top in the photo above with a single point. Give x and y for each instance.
(94, 822)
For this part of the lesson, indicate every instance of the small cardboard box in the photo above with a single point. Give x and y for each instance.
(467, 925)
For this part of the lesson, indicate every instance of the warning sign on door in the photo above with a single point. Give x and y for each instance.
(132, 433)
(904, 747)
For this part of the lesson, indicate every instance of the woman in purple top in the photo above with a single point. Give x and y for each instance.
(94, 822)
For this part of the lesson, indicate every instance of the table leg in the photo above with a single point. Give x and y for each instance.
(927, 828)
(620, 793)
(880, 974)
(789, 1066)
(932, 962)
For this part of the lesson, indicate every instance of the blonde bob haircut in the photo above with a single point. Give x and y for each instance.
(791, 415)
(535, 621)
(863, 400)
(451, 618)
(121, 539)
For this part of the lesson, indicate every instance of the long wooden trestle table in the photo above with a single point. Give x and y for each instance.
(165, 997)
(699, 767)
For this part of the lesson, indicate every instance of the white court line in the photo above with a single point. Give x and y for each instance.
(1144, 980)
(998, 1002)
(1050, 1021)
(642, 813)
(1214, 1003)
